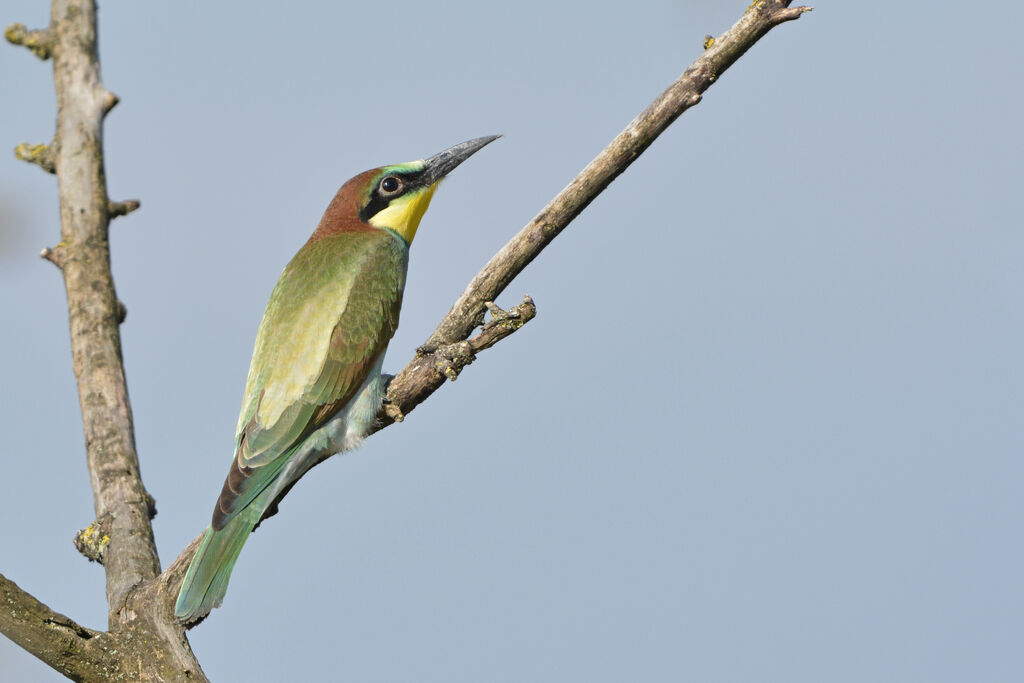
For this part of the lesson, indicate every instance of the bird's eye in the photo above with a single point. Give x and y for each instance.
(390, 185)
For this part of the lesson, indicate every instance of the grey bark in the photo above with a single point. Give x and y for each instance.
(142, 640)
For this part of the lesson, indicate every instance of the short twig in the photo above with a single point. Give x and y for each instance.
(115, 209)
(40, 41)
(110, 101)
(41, 155)
(55, 255)
(450, 359)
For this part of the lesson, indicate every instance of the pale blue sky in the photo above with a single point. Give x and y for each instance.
(765, 427)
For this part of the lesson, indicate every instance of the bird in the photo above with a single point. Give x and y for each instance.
(315, 385)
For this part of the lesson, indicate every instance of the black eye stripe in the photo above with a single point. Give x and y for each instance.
(380, 197)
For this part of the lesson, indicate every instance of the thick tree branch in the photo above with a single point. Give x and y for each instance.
(144, 641)
(50, 636)
(120, 498)
(82, 654)
(425, 373)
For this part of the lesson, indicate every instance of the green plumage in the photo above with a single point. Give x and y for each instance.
(328, 320)
(337, 302)
(326, 326)
(314, 385)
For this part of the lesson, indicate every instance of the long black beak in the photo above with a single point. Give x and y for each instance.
(440, 165)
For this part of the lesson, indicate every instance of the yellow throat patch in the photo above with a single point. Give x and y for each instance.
(404, 213)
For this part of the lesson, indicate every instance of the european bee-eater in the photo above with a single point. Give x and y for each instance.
(315, 382)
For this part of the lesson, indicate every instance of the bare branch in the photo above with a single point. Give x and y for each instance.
(130, 557)
(421, 376)
(453, 357)
(49, 635)
(785, 14)
(130, 653)
(144, 642)
(448, 360)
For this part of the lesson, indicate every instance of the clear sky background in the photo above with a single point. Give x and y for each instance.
(765, 427)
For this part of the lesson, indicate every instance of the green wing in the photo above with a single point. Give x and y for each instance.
(330, 317)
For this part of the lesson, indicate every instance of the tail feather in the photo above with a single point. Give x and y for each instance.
(206, 580)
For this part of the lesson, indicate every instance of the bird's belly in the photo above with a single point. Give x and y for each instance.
(343, 432)
(348, 428)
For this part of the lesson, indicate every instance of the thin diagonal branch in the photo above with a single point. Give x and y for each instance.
(423, 375)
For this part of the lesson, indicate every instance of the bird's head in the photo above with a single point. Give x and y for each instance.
(395, 197)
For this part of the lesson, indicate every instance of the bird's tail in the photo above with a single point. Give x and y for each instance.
(206, 581)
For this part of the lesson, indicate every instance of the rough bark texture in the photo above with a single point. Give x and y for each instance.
(52, 637)
(143, 640)
(121, 501)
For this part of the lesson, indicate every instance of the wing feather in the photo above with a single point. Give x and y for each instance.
(331, 315)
